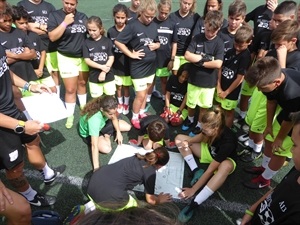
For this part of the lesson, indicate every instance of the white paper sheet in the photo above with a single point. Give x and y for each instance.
(167, 178)
(46, 108)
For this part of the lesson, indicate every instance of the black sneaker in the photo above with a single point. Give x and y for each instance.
(257, 170)
(251, 156)
(42, 200)
(57, 171)
(186, 124)
(244, 151)
(197, 130)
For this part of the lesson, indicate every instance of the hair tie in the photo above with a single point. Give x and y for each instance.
(158, 154)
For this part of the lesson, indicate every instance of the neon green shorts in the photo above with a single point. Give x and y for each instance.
(98, 89)
(141, 83)
(287, 142)
(162, 72)
(178, 61)
(184, 112)
(207, 158)
(70, 67)
(161, 142)
(246, 89)
(131, 203)
(202, 97)
(226, 103)
(51, 61)
(123, 80)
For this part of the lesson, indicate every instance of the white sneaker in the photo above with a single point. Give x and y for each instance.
(125, 109)
(120, 108)
(245, 128)
(148, 98)
(157, 94)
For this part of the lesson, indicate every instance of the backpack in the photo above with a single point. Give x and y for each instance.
(46, 217)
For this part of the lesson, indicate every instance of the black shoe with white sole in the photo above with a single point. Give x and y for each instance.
(57, 171)
(42, 200)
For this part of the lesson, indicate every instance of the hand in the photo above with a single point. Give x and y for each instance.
(38, 73)
(33, 127)
(272, 4)
(170, 65)
(69, 18)
(277, 145)
(9, 54)
(282, 51)
(138, 54)
(102, 76)
(269, 130)
(162, 198)
(105, 68)
(222, 94)
(43, 27)
(119, 138)
(153, 46)
(246, 219)
(4, 194)
(186, 193)
(39, 88)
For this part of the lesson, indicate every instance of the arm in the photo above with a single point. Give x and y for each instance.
(153, 46)
(271, 108)
(56, 34)
(95, 152)
(173, 54)
(215, 64)
(39, 71)
(233, 86)
(219, 88)
(157, 199)
(133, 55)
(38, 28)
(192, 57)
(282, 55)
(167, 100)
(28, 54)
(116, 125)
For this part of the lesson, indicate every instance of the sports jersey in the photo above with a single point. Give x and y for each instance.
(292, 58)
(282, 206)
(201, 76)
(137, 36)
(167, 36)
(287, 94)
(111, 182)
(121, 62)
(184, 27)
(40, 14)
(7, 104)
(263, 41)
(144, 123)
(70, 43)
(224, 146)
(132, 15)
(227, 37)
(233, 65)
(99, 52)
(199, 27)
(177, 90)
(92, 126)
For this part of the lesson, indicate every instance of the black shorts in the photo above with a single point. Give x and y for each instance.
(12, 148)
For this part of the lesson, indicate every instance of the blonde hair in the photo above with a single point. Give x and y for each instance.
(164, 3)
(147, 5)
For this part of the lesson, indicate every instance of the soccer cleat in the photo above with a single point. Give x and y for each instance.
(197, 130)
(239, 120)
(245, 128)
(57, 171)
(244, 151)
(251, 156)
(42, 200)
(196, 176)
(125, 109)
(136, 123)
(120, 108)
(257, 183)
(157, 94)
(70, 121)
(243, 137)
(143, 115)
(133, 142)
(183, 217)
(257, 170)
(246, 143)
(76, 213)
(186, 124)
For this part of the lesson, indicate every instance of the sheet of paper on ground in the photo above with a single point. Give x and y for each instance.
(46, 108)
(167, 178)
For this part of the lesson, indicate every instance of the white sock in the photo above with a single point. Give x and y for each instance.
(58, 90)
(135, 116)
(47, 172)
(89, 207)
(70, 108)
(142, 111)
(203, 195)
(265, 161)
(82, 99)
(257, 147)
(148, 96)
(268, 173)
(199, 124)
(154, 89)
(120, 100)
(251, 143)
(126, 100)
(191, 118)
(190, 160)
(29, 193)
(243, 114)
(27, 115)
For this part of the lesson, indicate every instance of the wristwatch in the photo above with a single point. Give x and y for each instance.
(20, 128)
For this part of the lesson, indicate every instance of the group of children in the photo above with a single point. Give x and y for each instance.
(201, 62)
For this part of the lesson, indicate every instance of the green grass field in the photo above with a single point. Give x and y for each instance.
(62, 146)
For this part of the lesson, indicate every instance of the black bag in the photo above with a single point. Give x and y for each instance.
(46, 217)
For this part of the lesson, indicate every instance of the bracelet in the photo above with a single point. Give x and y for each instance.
(26, 86)
(39, 26)
(64, 24)
(248, 212)
(29, 87)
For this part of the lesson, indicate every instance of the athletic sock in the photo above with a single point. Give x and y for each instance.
(243, 114)
(47, 172)
(70, 108)
(265, 161)
(191, 118)
(199, 124)
(268, 173)
(251, 143)
(257, 147)
(82, 99)
(29, 193)
(135, 116)
(120, 100)
(190, 160)
(142, 111)
(126, 100)
(27, 115)
(204, 194)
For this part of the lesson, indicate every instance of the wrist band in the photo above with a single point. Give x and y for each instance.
(26, 86)
(64, 24)
(29, 87)
(248, 212)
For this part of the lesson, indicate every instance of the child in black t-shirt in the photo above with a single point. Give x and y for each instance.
(175, 111)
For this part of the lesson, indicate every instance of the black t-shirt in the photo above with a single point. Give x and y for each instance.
(166, 35)
(177, 90)
(40, 14)
(227, 37)
(99, 52)
(287, 94)
(132, 15)
(201, 76)
(70, 43)
(144, 122)
(137, 36)
(263, 41)
(184, 27)
(292, 58)
(233, 65)
(199, 27)
(7, 104)
(282, 206)
(121, 62)
(111, 182)
(224, 146)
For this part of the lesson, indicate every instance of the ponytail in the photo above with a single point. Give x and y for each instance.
(159, 156)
